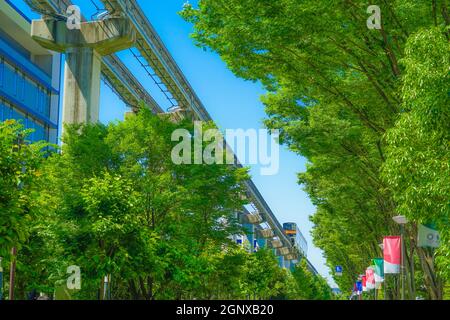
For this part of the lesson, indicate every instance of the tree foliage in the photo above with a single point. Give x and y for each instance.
(19, 162)
(114, 203)
(368, 109)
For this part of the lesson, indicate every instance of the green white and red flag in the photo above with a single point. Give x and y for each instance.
(379, 272)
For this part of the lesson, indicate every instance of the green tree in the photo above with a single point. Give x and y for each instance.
(192, 206)
(334, 91)
(114, 203)
(418, 149)
(19, 163)
(310, 286)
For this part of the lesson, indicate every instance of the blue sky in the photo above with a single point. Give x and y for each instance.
(232, 102)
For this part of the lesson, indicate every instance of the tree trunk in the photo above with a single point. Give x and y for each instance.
(133, 290)
(433, 283)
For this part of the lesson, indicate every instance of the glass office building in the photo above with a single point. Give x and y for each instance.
(29, 77)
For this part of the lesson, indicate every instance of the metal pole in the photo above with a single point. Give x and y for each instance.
(108, 291)
(412, 273)
(106, 288)
(12, 273)
(402, 231)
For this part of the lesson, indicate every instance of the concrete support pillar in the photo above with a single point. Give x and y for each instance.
(250, 233)
(84, 49)
(281, 261)
(287, 264)
(262, 242)
(81, 97)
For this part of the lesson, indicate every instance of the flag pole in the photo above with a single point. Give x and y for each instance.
(402, 231)
(401, 220)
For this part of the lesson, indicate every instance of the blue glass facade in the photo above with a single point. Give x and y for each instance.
(27, 92)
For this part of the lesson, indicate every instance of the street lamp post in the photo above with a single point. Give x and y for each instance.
(381, 245)
(107, 288)
(402, 234)
(401, 220)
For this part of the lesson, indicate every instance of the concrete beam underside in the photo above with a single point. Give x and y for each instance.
(84, 49)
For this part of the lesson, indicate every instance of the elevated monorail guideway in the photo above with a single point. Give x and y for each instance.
(153, 50)
(51, 8)
(126, 85)
(114, 72)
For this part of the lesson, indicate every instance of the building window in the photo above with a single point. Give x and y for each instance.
(15, 84)
(2, 71)
(40, 104)
(22, 84)
(20, 89)
(48, 101)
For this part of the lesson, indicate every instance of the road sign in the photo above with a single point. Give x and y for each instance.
(338, 270)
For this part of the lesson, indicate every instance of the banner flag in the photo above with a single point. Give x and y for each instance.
(428, 236)
(392, 254)
(359, 286)
(364, 283)
(379, 271)
(370, 278)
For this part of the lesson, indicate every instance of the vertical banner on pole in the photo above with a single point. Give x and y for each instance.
(392, 254)
(359, 287)
(428, 236)
(370, 278)
(379, 271)
(364, 283)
